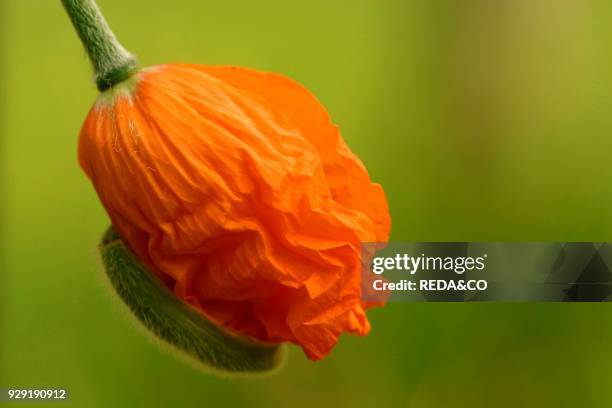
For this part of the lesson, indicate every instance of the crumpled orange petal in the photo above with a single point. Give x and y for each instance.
(235, 188)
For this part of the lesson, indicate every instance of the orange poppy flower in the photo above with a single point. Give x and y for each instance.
(235, 189)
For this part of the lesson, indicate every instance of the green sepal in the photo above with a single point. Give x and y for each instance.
(177, 323)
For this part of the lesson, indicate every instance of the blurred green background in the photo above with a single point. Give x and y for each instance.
(483, 120)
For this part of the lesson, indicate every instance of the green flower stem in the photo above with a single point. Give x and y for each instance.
(111, 62)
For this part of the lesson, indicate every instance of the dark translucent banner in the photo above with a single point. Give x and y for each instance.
(487, 271)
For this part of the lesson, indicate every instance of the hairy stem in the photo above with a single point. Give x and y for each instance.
(111, 62)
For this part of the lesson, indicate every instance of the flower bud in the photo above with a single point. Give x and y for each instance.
(234, 188)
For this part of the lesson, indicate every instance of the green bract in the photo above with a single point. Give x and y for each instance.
(178, 324)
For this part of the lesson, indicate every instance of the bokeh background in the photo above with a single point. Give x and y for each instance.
(483, 120)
